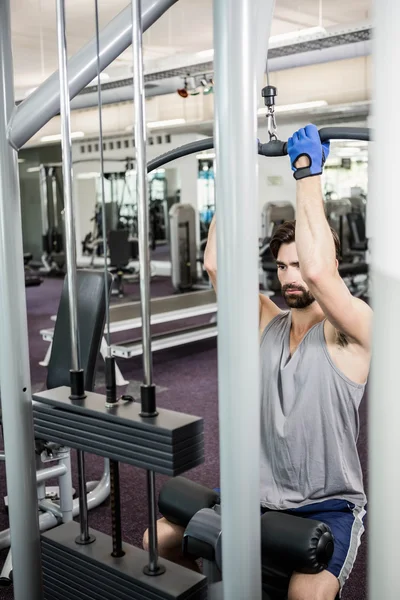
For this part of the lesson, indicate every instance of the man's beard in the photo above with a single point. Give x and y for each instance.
(302, 300)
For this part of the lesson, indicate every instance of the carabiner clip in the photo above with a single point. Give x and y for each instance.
(271, 124)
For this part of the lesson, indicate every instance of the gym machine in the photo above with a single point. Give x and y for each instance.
(51, 193)
(273, 215)
(238, 375)
(168, 309)
(76, 560)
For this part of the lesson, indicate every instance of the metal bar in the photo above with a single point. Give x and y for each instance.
(115, 498)
(54, 471)
(14, 358)
(95, 498)
(384, 407)
(235, 43)
(66, 147)
(142, 189)
(55, 197)
(65, 486)
(83, 501)
(70, 241)
(44, 103)
(103, 195)
(41, 487)
(153, 544)
(144, 253)
(43, 199)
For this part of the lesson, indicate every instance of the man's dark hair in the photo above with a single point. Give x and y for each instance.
(285, 234)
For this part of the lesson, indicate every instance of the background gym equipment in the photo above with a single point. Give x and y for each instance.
(184, 263)
(51, 201)
(120, 253)
(169, 309)
(32, 277)
(273, 215)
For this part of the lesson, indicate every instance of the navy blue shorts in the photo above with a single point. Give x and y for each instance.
(346, 522)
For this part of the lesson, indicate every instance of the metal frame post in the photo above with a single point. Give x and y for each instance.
(44, 199)
(148, 388)
(384, 406)
(16, 396)
(236, 45)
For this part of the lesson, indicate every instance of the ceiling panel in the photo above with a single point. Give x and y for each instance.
(186, 28)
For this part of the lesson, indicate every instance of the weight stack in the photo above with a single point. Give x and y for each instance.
(170, 443)
(73, 572)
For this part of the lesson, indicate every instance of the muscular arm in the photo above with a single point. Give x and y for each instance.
(316, 251)
(210, 253)
(268, 309)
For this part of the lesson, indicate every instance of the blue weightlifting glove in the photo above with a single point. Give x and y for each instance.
(306, 142)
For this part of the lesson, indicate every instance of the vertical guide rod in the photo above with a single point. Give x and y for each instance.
(103, 197)
(141, 187)
(14, 356)
(66, 147)
(70, 249)
(147, 390)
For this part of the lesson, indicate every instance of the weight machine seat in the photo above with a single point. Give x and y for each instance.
(91, 309)
(288, 543)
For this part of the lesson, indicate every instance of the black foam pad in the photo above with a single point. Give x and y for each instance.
(360, 268)
(180, 499)
(305, 544)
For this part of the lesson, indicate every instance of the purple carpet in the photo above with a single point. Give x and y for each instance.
(187, 378)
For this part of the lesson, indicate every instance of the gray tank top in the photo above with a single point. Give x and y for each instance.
(309, 422)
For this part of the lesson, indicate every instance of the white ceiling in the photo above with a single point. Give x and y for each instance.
(185, 29)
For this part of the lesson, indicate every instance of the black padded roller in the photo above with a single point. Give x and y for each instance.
(180, 499)
(305, 544)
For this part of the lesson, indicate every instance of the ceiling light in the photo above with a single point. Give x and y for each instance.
(103, 77)
(205, 156)
(57, 136)
(21, 160)
(297, 35)
(33, 169)
(169, 123)
(208, 85)
(295, 107)
(89, 175)
(347, 152)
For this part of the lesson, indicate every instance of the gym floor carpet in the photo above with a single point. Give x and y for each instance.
(187, 380)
